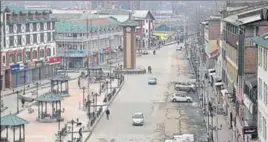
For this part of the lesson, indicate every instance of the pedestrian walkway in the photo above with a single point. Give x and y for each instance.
(73, 110)
(32, 86)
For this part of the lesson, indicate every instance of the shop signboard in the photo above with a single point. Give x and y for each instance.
(14, 68)
(53, 60)
(250, 130)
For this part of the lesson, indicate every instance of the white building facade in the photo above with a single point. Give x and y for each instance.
(262, 42)
(29, 51)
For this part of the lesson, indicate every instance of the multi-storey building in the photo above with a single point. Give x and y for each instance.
(145, 29)
(28, 48)
(83, 37)
(239, 56)
(210, 36)
(262, 44)
(145, 18)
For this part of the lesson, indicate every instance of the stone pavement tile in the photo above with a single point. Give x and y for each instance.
(224, 134)
(46, 131)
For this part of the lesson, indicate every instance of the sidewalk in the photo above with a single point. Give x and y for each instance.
(31, 86)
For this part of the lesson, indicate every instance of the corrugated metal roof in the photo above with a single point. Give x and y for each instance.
(140, 13)
(261, 40)
(240, 21)
(120, 18)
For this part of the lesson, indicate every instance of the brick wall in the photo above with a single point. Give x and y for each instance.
(214, 29)
(250, 60)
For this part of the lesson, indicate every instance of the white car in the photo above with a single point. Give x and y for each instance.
(152, 81)
(181, 97)
(137, 119)
(185, 86)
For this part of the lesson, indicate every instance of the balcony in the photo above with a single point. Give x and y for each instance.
(231, 38)
(84, 38)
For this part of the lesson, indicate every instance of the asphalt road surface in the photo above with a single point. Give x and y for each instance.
(162, 118)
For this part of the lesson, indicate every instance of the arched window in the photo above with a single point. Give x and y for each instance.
(34, 54)
(42, 53)
(12, 58)
(48, 52)
(19, 57)
(28, 55)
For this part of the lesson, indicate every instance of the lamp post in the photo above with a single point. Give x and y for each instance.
(110, 44)
(59, 131)
(18, 109)
(83, 88)
(72, 127)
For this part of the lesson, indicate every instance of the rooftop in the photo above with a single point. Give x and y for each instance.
(50, 97)
(83, 24)
(261, 40)
(246, 17)
(12, 120)
(12, 8)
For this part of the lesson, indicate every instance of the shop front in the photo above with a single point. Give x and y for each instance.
(19, 75)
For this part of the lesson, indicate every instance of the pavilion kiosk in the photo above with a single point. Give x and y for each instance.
(15, 124)
(52, 100)
(60, 85)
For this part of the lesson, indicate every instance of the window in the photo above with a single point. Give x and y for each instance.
(265, 59)
(260, 89)
(48, 37)
(12, 58)
(34, 54)
(261, 57)
(264, 129)
(41, 26)
(10, 28)
(19, 28)
(19, 40)
(28, 55)
(53, 25)
(146, 31)
(53, 36)
(48, 52)
(259, 122)
(265, 93)
(4, 59)
(42, 53)
(42, 37)
(35, 38)
(11, 41)
(48, 26)
(34, 26)
(27, 39)
(27, 27)
(19, 57)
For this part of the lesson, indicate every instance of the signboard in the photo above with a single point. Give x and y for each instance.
(14, 68)
(250, 130)
(54, 60)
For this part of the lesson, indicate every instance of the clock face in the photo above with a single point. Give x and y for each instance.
(128, 29)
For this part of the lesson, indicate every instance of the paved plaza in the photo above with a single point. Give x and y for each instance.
(73, 110)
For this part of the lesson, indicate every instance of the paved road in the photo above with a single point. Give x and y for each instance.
(162, 118)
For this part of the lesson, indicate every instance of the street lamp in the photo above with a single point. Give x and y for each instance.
(72, 127)
(18, 109)
(110, 44)
(59, 131)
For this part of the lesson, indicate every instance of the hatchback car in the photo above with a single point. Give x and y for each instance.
(181, 97)
(137, 119)
(152, 81)
(184, 86)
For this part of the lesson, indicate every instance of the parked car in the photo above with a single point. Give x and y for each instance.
(185, 86)
(152, 81)
(181, 138)
(137, 119)
(178, 48)
(180, 97)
